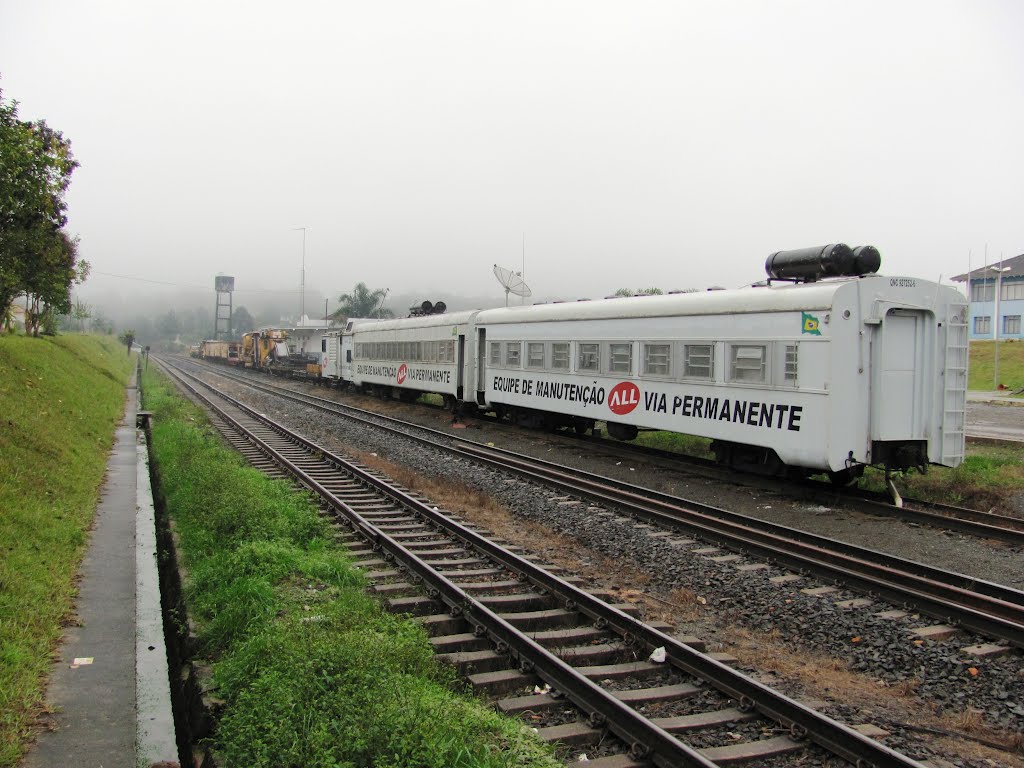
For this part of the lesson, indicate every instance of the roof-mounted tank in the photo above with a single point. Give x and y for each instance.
(811, 264)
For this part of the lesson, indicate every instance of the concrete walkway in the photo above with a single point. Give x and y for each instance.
(92, 692)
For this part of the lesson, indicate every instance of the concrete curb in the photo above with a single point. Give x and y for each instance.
(155, 742)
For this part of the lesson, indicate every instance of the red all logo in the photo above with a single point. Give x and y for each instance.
(624, 397)
(403, 371)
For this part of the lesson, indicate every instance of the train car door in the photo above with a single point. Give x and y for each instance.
(460, 366)
(481, 362)
(345, 365)
(898, 382)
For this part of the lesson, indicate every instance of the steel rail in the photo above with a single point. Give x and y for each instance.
(626, 723)
(961, 519)
(802, 721)
(935, 592)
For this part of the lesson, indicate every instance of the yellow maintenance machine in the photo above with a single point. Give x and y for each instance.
(261, 348)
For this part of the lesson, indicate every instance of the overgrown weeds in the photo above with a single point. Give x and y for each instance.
(312, 671)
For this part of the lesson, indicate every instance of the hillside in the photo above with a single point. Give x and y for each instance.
(62, 399)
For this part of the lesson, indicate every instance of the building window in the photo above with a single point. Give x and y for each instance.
(513, 351)
(748, 363)
(789, 372)
(1011, 325)
(495, 358)
(589, 357)
(699, 361)
(560, 356)
(981, 291)
(534, 355)
(982, 325)
(1011, 290)
(620, 358)
(657, 359)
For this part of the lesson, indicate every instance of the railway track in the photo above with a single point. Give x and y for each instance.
(988, 609)
(986, 525)
(537, 642)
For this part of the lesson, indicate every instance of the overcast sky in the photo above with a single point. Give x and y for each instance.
(669, 144)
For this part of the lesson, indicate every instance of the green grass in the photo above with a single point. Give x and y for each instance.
(690, 445)
(312, 671)
(989, 475)
(981, 371)
(62, 399)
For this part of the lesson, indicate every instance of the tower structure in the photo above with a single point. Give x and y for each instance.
(224, 286)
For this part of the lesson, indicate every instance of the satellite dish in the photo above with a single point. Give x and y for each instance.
(512, 282)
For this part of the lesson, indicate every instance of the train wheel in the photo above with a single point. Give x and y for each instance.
(580, 426)
(845, 477)
(622, 431)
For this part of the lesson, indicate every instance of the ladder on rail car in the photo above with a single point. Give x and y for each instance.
(954, 401)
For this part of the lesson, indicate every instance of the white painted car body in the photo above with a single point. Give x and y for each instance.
(821, 373)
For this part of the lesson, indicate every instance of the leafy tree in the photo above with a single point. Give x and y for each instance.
(128, 337)
(81, 312)
(362, 302)
(101, 323)
(36, 256)
(639, 292)
(167, 325)
(242, 321)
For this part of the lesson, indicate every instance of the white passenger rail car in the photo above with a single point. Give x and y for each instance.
(412, 356)
(831, 375)
(836, 370)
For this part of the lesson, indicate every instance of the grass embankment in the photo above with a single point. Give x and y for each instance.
(312, 670)
(62, 399)
(981, 370)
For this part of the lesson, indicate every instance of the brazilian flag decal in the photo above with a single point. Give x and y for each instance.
(810, 324)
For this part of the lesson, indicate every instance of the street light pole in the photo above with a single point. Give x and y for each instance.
(302, 281)
(995, 326)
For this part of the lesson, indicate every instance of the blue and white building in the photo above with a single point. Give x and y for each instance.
(987, 315)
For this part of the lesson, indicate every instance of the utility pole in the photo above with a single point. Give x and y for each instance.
(302, 281)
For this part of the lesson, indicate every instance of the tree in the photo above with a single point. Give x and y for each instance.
(362, 302)
(101, 323)
(242, 321)
(639, 292)
(36, 256)
(81, 312)
(167, 325)
(128, 337)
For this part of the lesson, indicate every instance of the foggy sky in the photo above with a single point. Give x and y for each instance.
(635, 144)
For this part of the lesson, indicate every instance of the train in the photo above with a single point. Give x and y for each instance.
(824, 367)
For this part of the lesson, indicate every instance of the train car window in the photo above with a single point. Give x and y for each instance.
(982, 324)
(589, 357)
(699, 361)
(535, 355)
(620, 358)
(448, 351)
(560, 356)
(495, 358)
(747, 363)
(513, 350)
(789, 368)
(657, 359)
